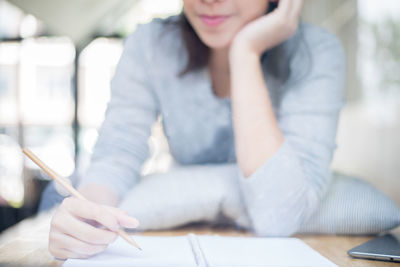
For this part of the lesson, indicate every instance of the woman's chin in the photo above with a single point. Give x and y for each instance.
(217, 43)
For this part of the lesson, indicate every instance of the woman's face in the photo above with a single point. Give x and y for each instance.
(216, 22)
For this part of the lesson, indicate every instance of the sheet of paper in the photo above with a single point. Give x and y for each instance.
(157, 252)
(259, 252)
(218, 251)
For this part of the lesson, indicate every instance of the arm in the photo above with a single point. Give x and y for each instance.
(122, 145)
(284, 163)
(116, 162)
(257, 135)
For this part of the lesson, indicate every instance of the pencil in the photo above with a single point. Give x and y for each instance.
(71, 190)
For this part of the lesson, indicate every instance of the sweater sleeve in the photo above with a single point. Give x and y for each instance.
(122, 145)
(288, 187)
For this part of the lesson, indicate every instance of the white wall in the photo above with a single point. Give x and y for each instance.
(369, 128)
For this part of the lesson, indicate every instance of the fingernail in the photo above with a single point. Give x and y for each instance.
(133, 222)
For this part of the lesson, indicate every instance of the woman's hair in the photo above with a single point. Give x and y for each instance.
(198, 52)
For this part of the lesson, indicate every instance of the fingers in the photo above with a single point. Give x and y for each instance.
(92, 211)
(63, 254)
(291, 8)
(73, 232)
(296, 8)
(284, 6)
(76, 247)
(69, 225)
(123, 218)
(287, 16)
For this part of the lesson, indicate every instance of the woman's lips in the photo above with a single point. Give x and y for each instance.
(213, 20)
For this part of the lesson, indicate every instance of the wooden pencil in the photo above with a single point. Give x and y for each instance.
(70, 189)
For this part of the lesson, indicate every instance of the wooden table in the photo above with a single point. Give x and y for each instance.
(26, 243)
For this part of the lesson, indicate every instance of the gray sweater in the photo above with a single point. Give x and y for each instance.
(305, 77)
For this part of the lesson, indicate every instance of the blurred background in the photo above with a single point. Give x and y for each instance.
(57, 58)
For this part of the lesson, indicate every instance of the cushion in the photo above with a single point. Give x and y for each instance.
(211, 193)
(183, 195)
(353, 206)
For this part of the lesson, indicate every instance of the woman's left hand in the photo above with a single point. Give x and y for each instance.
(269, 30)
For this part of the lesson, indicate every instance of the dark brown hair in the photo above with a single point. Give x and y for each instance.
(198, 52)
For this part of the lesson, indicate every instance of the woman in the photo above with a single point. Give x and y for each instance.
(234, 83)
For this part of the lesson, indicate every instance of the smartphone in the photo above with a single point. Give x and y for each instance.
(385, 247)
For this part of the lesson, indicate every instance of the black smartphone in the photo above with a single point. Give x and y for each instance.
(385, 247)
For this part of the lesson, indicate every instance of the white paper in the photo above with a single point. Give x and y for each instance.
(218, 252)
(259, 252)
(157, 252)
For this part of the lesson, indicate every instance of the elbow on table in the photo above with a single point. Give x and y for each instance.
(285, 219)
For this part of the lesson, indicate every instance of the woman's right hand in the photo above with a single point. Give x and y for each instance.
(75, 231)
